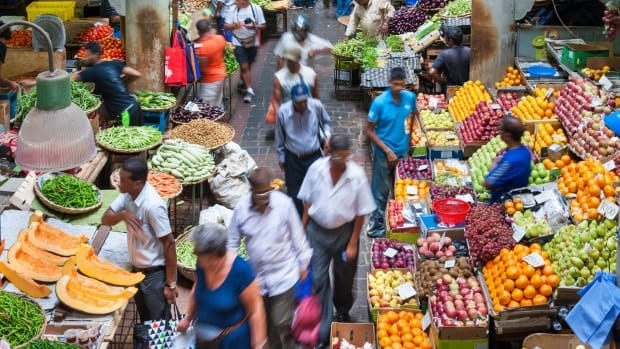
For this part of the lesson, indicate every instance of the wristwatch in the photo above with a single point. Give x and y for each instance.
(172, 285)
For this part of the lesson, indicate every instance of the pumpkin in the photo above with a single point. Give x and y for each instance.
(95, 287)
(52, 239)
(91, 265)
(42, 254)
(23, 283)
(31, 266)
(77, 296)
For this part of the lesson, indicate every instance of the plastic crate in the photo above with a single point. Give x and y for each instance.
(65, 10)
(11, 96)
(157, 119)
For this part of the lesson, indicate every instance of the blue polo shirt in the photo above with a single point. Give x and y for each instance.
(511, 172)
(391, 121)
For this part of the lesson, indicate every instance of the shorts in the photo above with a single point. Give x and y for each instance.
(245, 54)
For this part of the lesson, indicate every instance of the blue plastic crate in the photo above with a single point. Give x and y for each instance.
(11, 96)
(157, 119)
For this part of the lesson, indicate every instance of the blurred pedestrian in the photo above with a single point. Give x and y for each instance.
(293, 73)
(311, 44)
(371, 17)
(210, 50)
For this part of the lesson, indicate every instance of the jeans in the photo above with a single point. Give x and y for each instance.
(381, 182)
(280, 310)
(150, 300)
(327, 247)
(295, 170)
(344, 8)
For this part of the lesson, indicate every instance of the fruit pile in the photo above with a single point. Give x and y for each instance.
(466, 99)
(383, 289)
(426, 101)
(548, 134)
(402, 259)
(450, 165)
(487, 232)
(565, 160)
(533, 228)
(512, 78)
(442, 139)
(577, 100)
(434, 121)
(540, 174)
(95, 33)
(418, 138)
(534, 108)
(459, 302)
(395, 214)
(431, 271)
(578, 252)
(414, 169)
(482, 124)
(514, 283)
(112, 49)
(402, 329)
(588, 182)
(402, 191)
(480, 164)
(20, 38)
(508, 100)
(439, 192)
(513, 206)
(432, 247)
(595, 74)
(593, 138)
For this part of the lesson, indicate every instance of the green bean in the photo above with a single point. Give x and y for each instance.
(185, 252)
(80, 95)
(20, 318)
(47, 344)
(69, 191)
(128, 138)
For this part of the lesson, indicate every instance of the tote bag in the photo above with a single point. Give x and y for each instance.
(175, 72)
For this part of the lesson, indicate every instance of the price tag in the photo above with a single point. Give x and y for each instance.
(604, 81)
(412, 190)
(442, 240)
(555, 147)
(406, 291)
(596, 102)
(432, 102)
(534, 259)
(408, 247)
(390, 253)
(549, 93)
(609, 165)
(544, 196)
(417, 206)
(452, 182)
(450, 263)
(191, 106)
(608, 209)
(426, 320)
(466, 197)
(450, 136)
(496, 106)
(446, 154)
(422, 167)
(518, 232)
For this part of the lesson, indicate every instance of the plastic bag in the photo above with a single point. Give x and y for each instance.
(185, 340)
(217, 214)
(230, 182)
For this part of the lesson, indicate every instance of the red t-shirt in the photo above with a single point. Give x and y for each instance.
(211, 57)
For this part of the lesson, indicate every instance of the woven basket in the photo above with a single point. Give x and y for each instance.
(93, 109)
(126, 151)
(211, 146)
(189, 272)
(67, 210)
(41, 331)
(218, 118)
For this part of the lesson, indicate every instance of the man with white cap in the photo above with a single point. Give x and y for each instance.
(293, 73)
(302, 129)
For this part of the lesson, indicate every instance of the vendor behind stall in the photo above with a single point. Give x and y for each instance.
(110, 78)
(451, 68)
(4, 37)
(513, 169)
(372, 18)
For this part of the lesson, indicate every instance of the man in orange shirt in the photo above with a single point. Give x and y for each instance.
(210, 50)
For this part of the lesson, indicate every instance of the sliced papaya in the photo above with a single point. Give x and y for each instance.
(42, 254)
(23, 283)
(76, 296)
(91, 265)
(31, 266)
(52, 239)
(95, 287)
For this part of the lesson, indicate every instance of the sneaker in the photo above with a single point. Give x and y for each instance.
(295, 7)
(247, 97)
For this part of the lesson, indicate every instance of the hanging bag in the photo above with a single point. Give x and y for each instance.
(175, 71)
(157, 334)
(193, 70)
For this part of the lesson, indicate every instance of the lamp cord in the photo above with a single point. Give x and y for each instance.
(555, 9)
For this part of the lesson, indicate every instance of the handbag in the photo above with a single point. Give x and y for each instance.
(175, 71)
(270, 117)
(157, 334)
(193, 72)
(216, 342)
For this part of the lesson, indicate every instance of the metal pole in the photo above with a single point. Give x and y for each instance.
(50, 49)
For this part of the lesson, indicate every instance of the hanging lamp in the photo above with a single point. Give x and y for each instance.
(56, 134)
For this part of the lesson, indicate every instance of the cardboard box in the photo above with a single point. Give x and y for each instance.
(557, 341)
(5, 114)
(457, 343)
(575, 56)
(355, 333)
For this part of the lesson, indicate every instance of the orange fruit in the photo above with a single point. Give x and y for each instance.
(498, 308)
(528, 271)
(509, 285)
(395, 339)
(536, 281)
(517, 295)
(553, 280)
(608, 190)
(504, 298)
(526, 303)
(539, 300)
(512, 273)
(546, 290)
(385, 342)
(594, 190)
(508, 204)
(566, 159)
(513, 304)
(529, 292)
(535, 247)
(522, 282)
(511, 211)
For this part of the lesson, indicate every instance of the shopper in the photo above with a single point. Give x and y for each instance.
(371, 17)
(301, 123)
(514, 167)
(151, 244)
(451, 68)
(222, 9)
(225, 300)
(245, 20)
(5, 36)
(337, 198)
(109, 83)
(292, 74)
(210, 50)
(277, 249)
(311, 45)
(387, 130)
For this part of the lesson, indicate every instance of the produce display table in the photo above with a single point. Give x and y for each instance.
(280, 8)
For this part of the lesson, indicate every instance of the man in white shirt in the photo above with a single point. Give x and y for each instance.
(277, 250)
(337, 198)
(222, 8)
(151, 244)
(245, 20)
(371, 17)
(311, 45)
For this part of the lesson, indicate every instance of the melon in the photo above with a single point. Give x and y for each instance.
(32, 266)
(91, 265)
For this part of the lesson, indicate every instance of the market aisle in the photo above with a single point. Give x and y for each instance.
(347, 118)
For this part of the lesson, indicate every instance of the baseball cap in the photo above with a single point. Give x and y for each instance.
(300, 92)
(293, 53)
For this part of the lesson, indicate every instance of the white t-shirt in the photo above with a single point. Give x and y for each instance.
(312, 42)
(288, 80)
(236, 14)
(145, 249)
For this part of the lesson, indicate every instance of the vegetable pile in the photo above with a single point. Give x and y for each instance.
(80, 95)
(209, 134)
(353, 47)
(432, 4)
(187, 162)
(94, 33)
(112, 48)
(69, 191)
(266, 4)
(186, 256)
(207, 111)
(20, 38)
(165, 184)
(407, 19)
(395, 43)
(428, 27)
(230, 61)
(129, 137)
(457, 8)
(48, 344)
(20, 319)
(155, 100)
(487, 232)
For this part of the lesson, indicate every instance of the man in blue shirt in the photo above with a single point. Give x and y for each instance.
(389, 130)
(514, 167)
